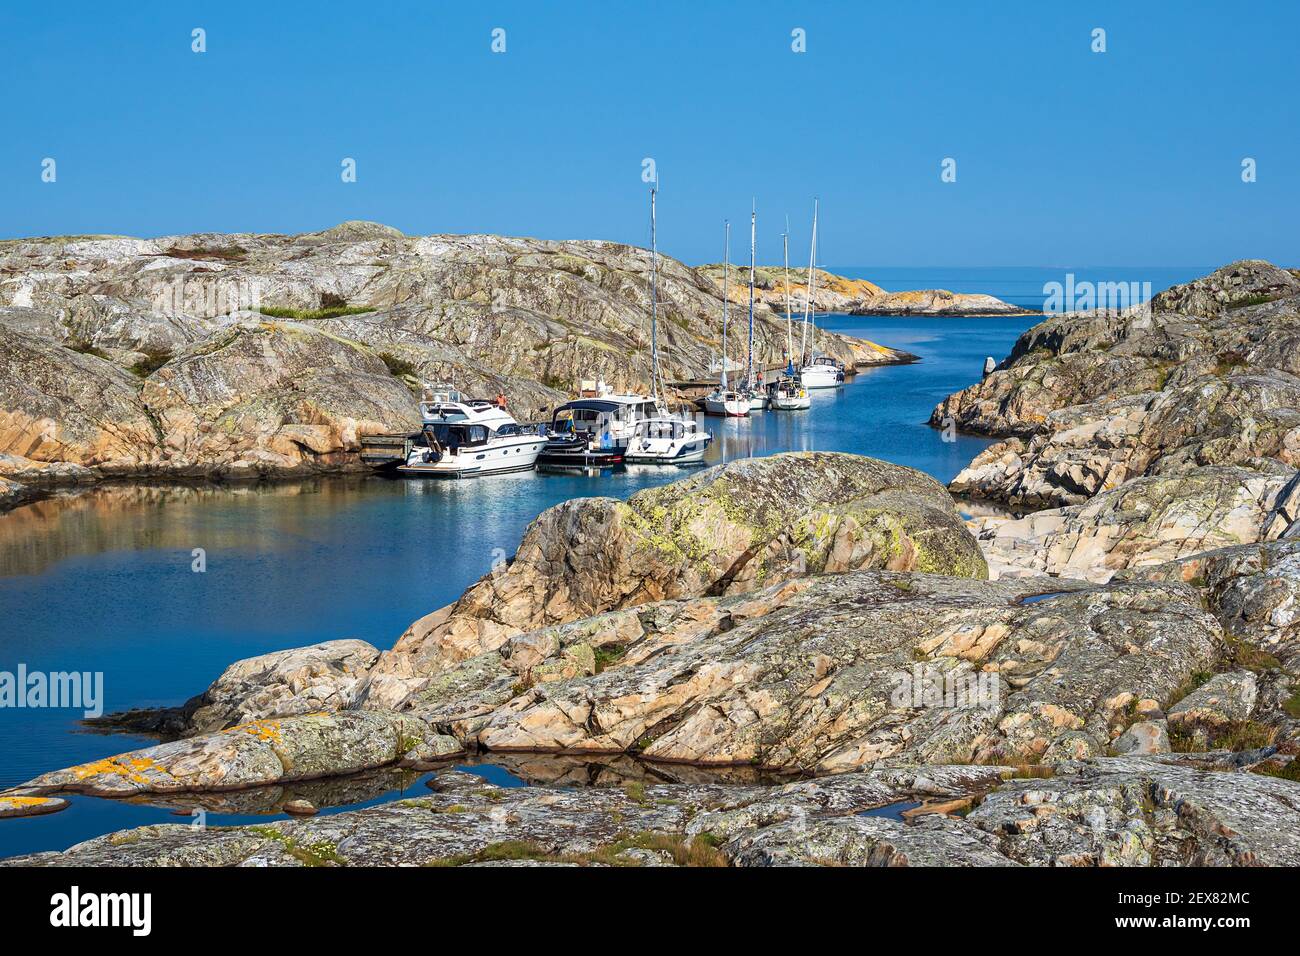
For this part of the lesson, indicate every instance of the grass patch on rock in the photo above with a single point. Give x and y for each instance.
(699, 852)
(306, 315)
(151, 361)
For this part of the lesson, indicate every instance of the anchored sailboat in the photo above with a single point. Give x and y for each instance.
(724, 400)
(818, 371)
(753, 390)
(662, 439)
(787, 394)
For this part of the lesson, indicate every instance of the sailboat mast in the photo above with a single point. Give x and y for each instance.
(785, 255)
(654, 300)
(808, 316)
(749, 354)
(726, 254)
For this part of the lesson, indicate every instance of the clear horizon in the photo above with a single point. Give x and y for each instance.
(1063, 154)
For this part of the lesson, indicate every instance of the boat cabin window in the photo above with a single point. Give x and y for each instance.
(456, 436)
(660, 429)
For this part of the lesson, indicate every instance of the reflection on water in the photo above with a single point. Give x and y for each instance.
(88, 817)
(101, 580)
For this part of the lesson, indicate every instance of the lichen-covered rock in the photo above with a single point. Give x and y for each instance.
(836, 672)
(1144, 738)
(280, 684)
(58, 405)
(1148, 811)
(249, 755)
(1146, 521)
(1254, 590)
(273, 398)
(1207, 375)
(27, 805)
(1115, 811)
(730, 529)
(1222, 700)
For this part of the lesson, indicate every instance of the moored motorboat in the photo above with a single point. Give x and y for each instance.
(822, 372)
(667, 441)
(464, 438)
(788, 395)
(594, 432)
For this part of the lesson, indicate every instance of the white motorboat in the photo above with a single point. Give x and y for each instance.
(725, 401)
(464, 438)
(594, 432)
(788, 395)
(667, 441)
(822, 372)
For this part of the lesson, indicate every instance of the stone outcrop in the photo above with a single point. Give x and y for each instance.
(1207, 375)
(727, 530)
(256, 754)
(1131, 811)
(1145, 522)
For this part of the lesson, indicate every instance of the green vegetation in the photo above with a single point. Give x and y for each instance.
(322, 853)
(85, 348)
(1292, 705)
(1236, 736)
(398, 366)
(1249, 300)
(153, 360)
(608, 654)
(305, 315)
(702, 851)
(210, 254)
(1249, 657)
(1286, 771)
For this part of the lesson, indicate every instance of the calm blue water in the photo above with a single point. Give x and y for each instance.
(102, 581)
(1018, 285)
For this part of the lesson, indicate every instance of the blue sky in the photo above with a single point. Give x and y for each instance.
(1065, 157)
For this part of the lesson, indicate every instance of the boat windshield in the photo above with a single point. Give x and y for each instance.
(455, 436)
(660, 429)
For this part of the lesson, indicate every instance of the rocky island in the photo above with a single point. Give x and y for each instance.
(231, 356)
(813, 658)
(836, 293)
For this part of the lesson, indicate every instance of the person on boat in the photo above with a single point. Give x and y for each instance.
(501, 399)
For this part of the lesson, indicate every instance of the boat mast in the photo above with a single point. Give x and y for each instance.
(654, 301)
(726, 253)
(808, 314)
(749, 354)
(785, 254)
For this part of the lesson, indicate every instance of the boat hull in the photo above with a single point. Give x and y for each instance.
(473, 462)
(730, 408)
(820, 376)
(791, 404)
(687, 454)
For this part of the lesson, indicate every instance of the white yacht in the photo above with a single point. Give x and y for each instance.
(788, 395)
(667, 441)
(822, 372)
(595, 432)
(464, 438)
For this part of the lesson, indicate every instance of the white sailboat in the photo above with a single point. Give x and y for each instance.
(754, 394)
(787, 394)
(662, 439)
(818, 371)
(724, 400)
